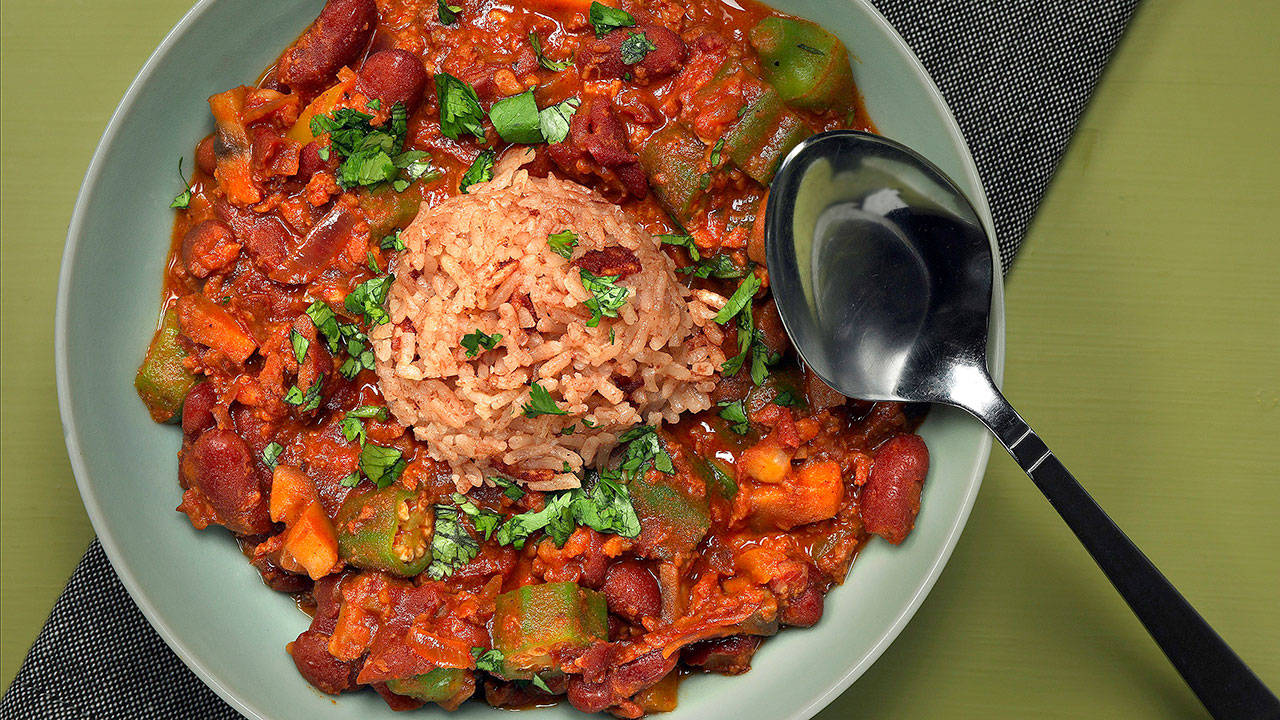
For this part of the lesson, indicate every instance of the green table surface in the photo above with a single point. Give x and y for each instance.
(1144, 345)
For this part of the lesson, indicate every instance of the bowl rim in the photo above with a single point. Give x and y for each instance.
(139, 595)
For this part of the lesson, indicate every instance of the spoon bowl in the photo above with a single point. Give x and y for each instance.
(882, 273)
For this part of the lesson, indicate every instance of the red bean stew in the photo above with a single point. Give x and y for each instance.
(731, 524)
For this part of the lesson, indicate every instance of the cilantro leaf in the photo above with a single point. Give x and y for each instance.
(451, 545)
(541, 684)
(352, 429)
(183, 200)
(392, 242)
(541, 403)
(326, 323)
(367, 150)
(308, 400)
(271, 454)
(448, 13)
(485, 521)
(644, 448)
(460, 110)
(368, 298)
(606, 507)
(300, 344)
(552, 65)
(413, 165)
(717, 266)
(382, 465)
(369, 411)
(473, 342)
(761, 358)
(636, 47)
(684, 241)
(510, 489)
(489, 661)
(563, 243)
(740, 299)
(516, 119)
(553, 121)
(606, 296)
(604, 18)
(481, 170)
(746, 331)
(715, 152)
(736, 415)
(351, 480)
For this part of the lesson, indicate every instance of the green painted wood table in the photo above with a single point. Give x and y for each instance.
(1144, 344)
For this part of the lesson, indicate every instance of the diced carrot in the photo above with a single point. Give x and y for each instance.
(291, 493)
(208, 323)
(766, 461)
(311, 543)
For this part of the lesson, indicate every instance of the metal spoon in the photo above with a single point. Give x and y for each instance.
(882, 273)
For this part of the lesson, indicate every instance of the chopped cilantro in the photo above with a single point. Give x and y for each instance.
(510, 489)
(351, 480)
(761, 358)
(721, 267)
(489, 661)
(563, 243)
(326, 322)
(684, 241)
(413, 165)
(516, 119)
(392, 242)
(605, 507)
(552, 65)
(474, 341)
(368, 298)
(351, 426)
(606, 296)
(382, 465)
(740, 299)
(448, 13)
(644, 448)
(736, 415)
(451, 545)
(369, 411)
(604, 18)
(308, 400)
(568, 430)
(300, 344)
(553, 121)
(184, 198)
(481, 170)
(541, 684)
(786, 398)
(460, 110)
(271, 454)
(371, 154)
(541, 403)
(635, 47)
(715, 152)
(485, 521)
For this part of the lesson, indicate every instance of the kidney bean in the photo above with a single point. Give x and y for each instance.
(620, 682)
(276, 578)
(727, 656)
(769, 323)
(264, 235)
(220, 465)
(336, 38)
(805, 610)
(310, 162)
(820, 395)
(631, 591)
(602, 57)
(197, 410)
(612, 260)
(206, 158)
(327, 673)
(393, 76)
(891, 497)
(209, 247)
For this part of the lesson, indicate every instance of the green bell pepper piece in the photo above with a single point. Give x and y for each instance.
(807, 65)
(442, 685)
(163, 381)
(387, 529)
(671, 521)
(673, 158)
(531, 621)
(717, 474)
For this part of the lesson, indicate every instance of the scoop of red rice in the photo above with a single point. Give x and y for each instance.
(481, 262)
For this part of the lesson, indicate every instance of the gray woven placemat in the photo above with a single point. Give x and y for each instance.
(1016, 73)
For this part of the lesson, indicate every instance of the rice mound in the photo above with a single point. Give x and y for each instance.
(481, 261)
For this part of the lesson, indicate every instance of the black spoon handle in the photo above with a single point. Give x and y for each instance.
(1226, 686)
